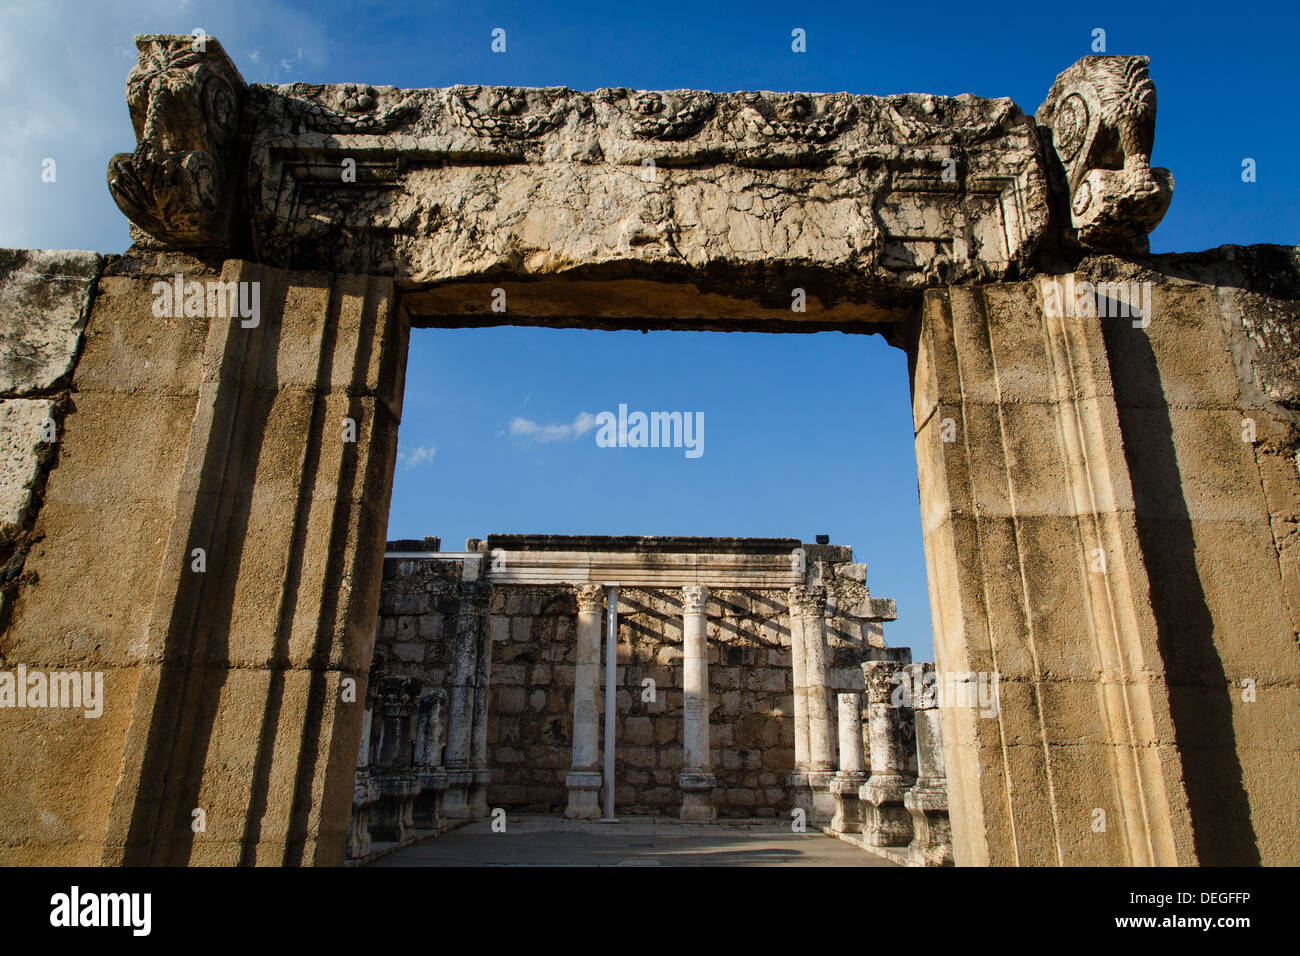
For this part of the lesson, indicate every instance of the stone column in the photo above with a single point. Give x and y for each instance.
(583, 779)
(886, 821)
(428, 758)
(364, 791)
(852, 773)
(393, 819)
(799, 776)
(811, 600)
(927, 801)
(460, 722)
(480, 775)
(696, 779)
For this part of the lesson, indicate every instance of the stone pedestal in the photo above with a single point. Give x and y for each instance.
(931, 830)
(886, 821)
(584, 794)
(392, 817)
(456, 803)
(697, 796)
(821, 798)
(427, 813)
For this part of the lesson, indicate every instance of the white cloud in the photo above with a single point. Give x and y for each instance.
(527, 428)
(420, 455)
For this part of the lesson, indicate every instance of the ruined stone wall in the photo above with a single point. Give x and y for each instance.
(1139, 471)
(418, 607)
(84, 557)
(222, 678)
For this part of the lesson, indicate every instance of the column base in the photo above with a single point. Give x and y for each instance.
(823, 801)
(584, 795)
(428, 805)
(697, 796)
(844, 788)
(456, 801)
(931, 829)
(886, 822)
(392, 818)
(803, 797)
(477, 797)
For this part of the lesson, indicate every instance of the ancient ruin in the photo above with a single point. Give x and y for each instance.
(741, 698)
(200, 438)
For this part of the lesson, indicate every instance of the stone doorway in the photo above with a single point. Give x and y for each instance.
(1106, 473)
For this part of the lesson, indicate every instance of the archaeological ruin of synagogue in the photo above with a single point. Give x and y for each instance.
(194, 505)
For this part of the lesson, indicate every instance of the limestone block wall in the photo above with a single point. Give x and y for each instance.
(1137, 472)
(222, 683)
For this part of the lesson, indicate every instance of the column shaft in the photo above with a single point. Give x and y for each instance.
(696, 780)
(584, 777)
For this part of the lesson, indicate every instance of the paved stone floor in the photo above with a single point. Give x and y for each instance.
(539, 840)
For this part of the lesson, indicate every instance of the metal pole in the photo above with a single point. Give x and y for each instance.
(611, 667)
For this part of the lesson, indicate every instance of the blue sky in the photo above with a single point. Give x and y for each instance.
(803, 434)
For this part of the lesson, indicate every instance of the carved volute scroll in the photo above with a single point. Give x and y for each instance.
(1100, 119)
(177, 187)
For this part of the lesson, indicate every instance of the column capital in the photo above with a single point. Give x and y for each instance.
(589, 596)
(694, 597)
(880, 678)
(808, 599)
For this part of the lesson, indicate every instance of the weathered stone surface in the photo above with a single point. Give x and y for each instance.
(178, 186)
(882, 195)
(24, 451)
(1110, 507)
(1100, 118)
(44, 300)
(475, 180)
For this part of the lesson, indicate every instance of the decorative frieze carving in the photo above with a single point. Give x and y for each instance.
(431, 185)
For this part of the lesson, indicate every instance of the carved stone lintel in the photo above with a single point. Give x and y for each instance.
(178, 186)
(1100, 119)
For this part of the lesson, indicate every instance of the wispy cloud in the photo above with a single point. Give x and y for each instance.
(420, 455)
(527, 428)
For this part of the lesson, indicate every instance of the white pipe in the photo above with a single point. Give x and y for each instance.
(611, 668)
